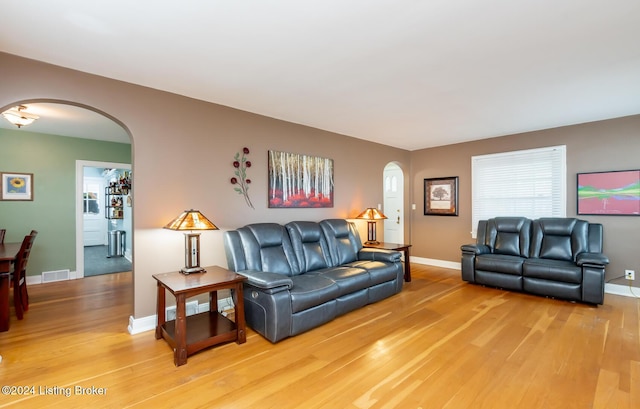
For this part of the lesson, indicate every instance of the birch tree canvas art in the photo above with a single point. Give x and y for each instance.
(297, 180)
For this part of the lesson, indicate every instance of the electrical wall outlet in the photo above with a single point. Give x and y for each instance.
(629, 274)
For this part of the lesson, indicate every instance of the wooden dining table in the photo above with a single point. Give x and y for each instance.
(8, 255)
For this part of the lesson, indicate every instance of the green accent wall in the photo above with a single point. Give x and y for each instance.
(52, 160)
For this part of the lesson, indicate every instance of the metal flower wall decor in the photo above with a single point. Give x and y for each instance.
(240, 181)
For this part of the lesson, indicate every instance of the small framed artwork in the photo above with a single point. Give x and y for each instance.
(441, 196)
(16, 186)
(614, 193)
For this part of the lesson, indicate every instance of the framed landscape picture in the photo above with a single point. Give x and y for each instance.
(16, 186)
(441, 196)
(300, 181)
(615, 193)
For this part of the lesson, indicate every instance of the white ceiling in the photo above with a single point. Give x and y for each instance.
(406, 73)
(69, 120)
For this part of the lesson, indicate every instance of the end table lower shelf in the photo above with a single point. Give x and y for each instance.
(205, 329)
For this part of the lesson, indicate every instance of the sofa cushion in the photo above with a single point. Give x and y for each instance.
(348, 279)
(554, 270)
(379, 272)
(559, 238)
(267, 248)
(500, 263)
(309, 245)
(310, 290)
(508, 235)
(343, 243)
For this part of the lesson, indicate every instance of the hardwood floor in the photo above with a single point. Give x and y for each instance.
(441, 343)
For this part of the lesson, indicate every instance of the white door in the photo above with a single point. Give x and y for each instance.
(95, 225)
(393, 181)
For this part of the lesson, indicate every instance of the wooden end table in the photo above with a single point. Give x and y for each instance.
(188, 335)
(400, 247)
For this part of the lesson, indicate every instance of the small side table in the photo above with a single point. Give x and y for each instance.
(400, 247)
(188, 335)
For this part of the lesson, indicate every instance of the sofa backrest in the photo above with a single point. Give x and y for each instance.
(264, 247)
(309, 245)
(559, 238)
(508, 235)
(343, 240)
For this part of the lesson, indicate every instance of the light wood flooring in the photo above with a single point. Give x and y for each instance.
(441, 343)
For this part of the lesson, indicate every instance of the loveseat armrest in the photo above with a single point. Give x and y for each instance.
(476, 249)
(372, 254)
(267, 281)
(592, 259)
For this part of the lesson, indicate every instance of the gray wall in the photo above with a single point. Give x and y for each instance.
(596, 146)
(182, 158)
(183, 151)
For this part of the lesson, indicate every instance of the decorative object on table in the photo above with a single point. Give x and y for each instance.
(241, 182)
(191, 220)
(371, 215)
(19, 116)
(615, 193)
(441, 196)
(300, 181)
(16, 186)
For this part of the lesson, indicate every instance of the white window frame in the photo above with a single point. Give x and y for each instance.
(529, 183)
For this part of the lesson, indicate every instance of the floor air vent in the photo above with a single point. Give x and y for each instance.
(51, 276)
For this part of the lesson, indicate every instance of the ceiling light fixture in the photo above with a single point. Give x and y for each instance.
(19, 117)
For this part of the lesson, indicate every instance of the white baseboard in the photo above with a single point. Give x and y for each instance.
(35, 280)
(148, 323)
(436, 263)
(624, 290)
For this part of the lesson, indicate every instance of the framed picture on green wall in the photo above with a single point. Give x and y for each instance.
(16, 186)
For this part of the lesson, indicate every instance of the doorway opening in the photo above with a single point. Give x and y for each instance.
(393, 188)
(96, 231)
(106, 216)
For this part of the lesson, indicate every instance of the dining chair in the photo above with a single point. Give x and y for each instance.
(2, 233)
(19, 279)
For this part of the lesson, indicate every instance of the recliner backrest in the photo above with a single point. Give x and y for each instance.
(595, 238)
(309, 245)
(343, 240)
(509, 235)
(559, 238)
(267, 248)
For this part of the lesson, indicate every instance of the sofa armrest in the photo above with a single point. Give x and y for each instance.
(267, 281)
(373, 254)
(592, 259)
(475, 249)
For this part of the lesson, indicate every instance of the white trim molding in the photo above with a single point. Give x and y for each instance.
(624, 290)
(436, 263)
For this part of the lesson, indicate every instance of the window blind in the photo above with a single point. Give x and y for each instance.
(529, 183)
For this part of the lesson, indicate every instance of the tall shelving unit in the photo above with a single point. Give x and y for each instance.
(115, 195)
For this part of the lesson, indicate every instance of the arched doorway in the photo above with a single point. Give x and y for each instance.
(393, 188)
(59, 122)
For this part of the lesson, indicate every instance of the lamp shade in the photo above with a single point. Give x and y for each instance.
(191, 220)
(371, 213)
(19, 117)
